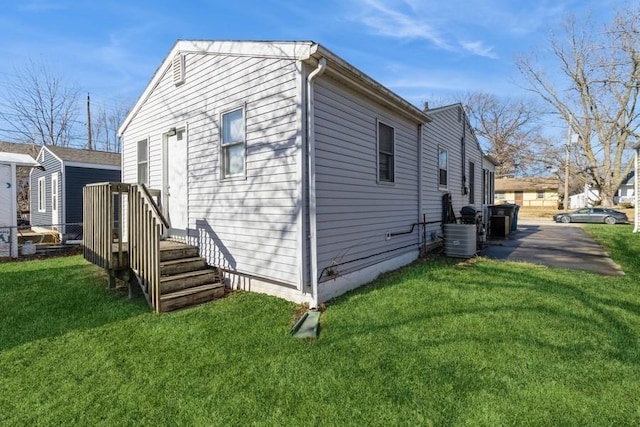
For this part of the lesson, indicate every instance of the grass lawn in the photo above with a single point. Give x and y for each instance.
(437, 343)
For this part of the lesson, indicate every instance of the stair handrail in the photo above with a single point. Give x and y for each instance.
(156, 209)
(145, 225)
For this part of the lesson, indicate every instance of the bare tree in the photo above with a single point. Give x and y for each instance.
(595, 90)
(510, 129)
(41, 106)
(105, 124)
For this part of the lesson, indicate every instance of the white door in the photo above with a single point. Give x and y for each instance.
(176, 194)
(55, 220)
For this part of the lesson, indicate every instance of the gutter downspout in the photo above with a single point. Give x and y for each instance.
(311, 156)
(636, 188)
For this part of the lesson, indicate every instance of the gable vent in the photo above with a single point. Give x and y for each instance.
(178, 69)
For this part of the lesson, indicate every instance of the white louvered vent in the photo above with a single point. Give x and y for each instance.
(178, 69)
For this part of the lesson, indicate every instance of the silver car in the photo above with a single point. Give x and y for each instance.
(597, 215)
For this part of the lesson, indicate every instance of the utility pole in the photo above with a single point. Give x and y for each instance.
(565, 201)
(89, 141)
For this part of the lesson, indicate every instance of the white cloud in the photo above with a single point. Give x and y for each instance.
(478, 48)
(389, 22)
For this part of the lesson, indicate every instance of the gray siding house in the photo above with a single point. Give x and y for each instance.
(56, 191)
(291, 170)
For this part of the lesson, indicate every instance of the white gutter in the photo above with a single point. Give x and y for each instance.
(311, 143)
(636, 187)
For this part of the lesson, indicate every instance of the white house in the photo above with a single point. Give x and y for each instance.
(290, 169)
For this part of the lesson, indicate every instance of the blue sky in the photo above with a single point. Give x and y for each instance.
(421, 49)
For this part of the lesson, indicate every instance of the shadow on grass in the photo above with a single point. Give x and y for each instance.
(571, 314)
(44, 299)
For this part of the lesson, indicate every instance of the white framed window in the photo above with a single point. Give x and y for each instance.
(143, 162)
(42, 194)
(386, 153)
(233, 144)
(442, 167)
(500, 196)
(540, 194)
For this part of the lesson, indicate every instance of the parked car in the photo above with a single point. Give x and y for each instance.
(598, 215)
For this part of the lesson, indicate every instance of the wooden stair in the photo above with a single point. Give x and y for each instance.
(185, 277)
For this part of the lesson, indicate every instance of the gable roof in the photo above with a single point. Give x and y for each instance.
(467, 123)
(77, 155)
(307, 51)
(525, 184)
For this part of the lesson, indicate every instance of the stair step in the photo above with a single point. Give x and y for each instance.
(183, 265)
(169, 252)
(191, 296)
(187, 280)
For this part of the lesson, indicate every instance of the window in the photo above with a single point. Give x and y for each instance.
(42, 195)
(386, 142)
(472, 183)
(540, 194)
(143, 162)
(442, 166)
(233, 143)
(500, 196)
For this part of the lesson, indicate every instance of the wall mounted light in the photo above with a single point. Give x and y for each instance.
(172, 132)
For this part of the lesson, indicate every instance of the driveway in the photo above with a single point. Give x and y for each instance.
(557, 245)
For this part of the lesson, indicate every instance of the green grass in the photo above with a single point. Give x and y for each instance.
(437, 343)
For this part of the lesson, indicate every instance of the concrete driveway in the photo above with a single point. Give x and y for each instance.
(557, 245)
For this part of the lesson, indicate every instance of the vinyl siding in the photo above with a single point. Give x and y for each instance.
(446, 131)
(245, 225)
(354, 211)
(75, 180)
(51, 165)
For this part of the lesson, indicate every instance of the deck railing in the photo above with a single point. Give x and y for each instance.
(102, 218)
(104, 205)
(146, 226)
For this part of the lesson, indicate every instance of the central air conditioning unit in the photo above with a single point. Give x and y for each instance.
(460, 240)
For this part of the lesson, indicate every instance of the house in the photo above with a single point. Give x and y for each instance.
(626, 192)
(591, 195)
(22, 173)
(527, 192)
(9, 163)
(291, 171)
(56, 191)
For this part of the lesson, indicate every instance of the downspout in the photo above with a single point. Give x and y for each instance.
(636, 188)
(311, 150)
(420, 186)
(463, 152)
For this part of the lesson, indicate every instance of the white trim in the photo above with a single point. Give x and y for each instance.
(91, 166)
(55, 178)
(42, 192)
(440, 186)
(301, 235)
(221, 146)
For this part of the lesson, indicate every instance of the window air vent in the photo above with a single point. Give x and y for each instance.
(178, 69)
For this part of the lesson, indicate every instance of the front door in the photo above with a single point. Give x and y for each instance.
(55, 219)
(519, 198)
(176, 194)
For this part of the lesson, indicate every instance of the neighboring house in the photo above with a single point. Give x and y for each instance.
(626, 193)
(452, 150)
(22, 173)
(591, 195)
(56, 191)
(587, 198)
(527, 191)
(291, 170)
